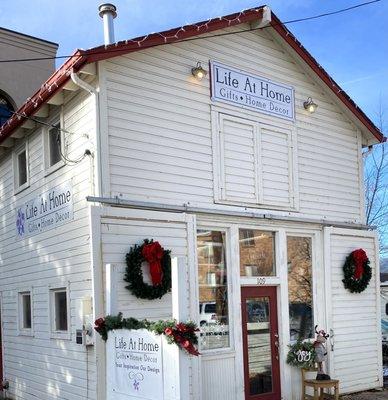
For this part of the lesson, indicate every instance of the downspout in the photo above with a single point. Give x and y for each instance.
(97, 154)
(369, 151)
(96, 259)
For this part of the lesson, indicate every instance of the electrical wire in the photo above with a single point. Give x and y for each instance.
(58, 139)
(115, 50)
(177, 41)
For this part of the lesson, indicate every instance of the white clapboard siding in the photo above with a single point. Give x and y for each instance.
(37, 366)
(219, 369)
(117, 237)
(160, 120)
(354, 319)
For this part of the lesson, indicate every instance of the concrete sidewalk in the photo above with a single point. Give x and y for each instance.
(374, 395)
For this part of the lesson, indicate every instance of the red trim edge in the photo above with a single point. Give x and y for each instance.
(61, 76)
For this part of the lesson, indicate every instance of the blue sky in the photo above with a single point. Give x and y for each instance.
(352, 47)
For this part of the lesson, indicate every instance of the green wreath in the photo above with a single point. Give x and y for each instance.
(301, 355)
(134, 275)
(357, 271)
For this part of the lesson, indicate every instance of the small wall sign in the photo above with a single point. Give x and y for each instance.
(242, 89)
(134, 364)
(46, 211)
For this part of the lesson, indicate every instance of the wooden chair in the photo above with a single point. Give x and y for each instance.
(318, 387)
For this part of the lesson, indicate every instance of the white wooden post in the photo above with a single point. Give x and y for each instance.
(110, 289)
(176, 362)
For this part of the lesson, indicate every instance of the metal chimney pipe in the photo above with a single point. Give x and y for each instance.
(108, 12)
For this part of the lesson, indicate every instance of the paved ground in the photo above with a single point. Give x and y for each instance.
(383, 395)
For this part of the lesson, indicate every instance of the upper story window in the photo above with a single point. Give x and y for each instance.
(53, 146)
(254, 162)
(20, 165)
(6, 109)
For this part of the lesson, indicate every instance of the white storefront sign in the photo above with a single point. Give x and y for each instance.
(47, 211)
(134, 365)
(233, 86)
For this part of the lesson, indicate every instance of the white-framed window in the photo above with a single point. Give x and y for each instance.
(60, 312)
(254, 161)
(214, 290)
(53, 144)
(300, 286)
(21, 168)
(25, 313)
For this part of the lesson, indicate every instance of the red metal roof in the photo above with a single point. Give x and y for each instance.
(80, 58)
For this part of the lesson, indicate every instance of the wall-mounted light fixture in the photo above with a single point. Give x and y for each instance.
(310, 106)
(198, 72)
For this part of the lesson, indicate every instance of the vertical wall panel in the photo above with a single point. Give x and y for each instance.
(356, 358)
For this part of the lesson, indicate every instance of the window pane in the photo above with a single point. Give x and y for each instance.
(6, 110)
(300, 289)
(26, 304)
(257, 253)
(22, 168)
(213, 290)
(55, 145)
(259, 345)
(60, 311)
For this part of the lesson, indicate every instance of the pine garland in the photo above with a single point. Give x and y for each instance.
(350, 281)
(134, 275)
(301, 355)
(179, 333)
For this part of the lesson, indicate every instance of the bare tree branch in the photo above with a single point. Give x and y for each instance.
(376, 185)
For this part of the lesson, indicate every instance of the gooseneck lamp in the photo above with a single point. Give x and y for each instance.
(310, 106)
(198, 72)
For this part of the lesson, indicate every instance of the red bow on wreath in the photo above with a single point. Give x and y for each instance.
(359, 257)
(153, 254)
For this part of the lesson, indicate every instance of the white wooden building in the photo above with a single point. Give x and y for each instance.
(259, 200)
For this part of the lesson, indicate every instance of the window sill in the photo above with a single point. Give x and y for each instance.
(62, 335)
(50, 170)
(21, 188)
(25, 332)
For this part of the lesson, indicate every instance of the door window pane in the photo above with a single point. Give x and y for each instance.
(259, 345)
(300, 289)
(257, 253)
(213, 290)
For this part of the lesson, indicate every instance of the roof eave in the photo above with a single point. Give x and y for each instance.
(81, 58)
(294, 43)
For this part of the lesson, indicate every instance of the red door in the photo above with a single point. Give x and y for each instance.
(260, 343)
